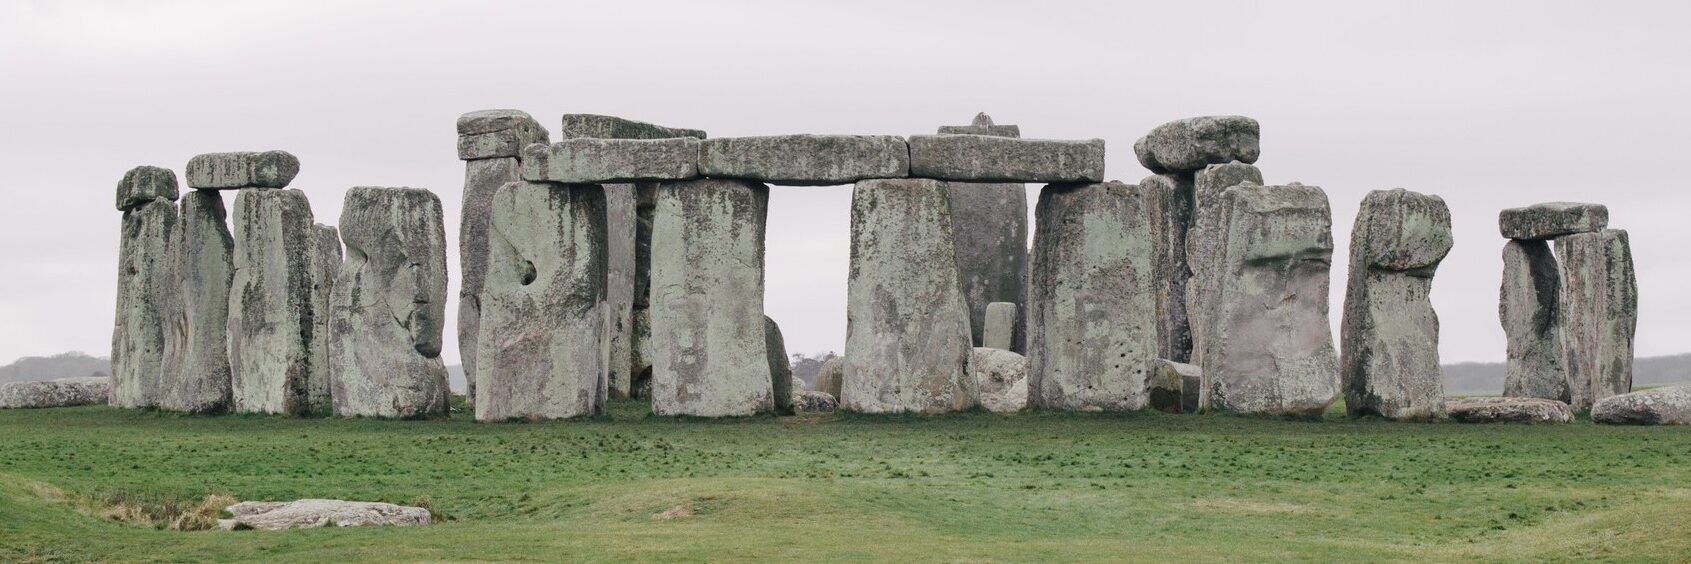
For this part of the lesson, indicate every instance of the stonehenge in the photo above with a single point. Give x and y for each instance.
(1528, 309)
(272, 319)
(1389, 358)
(195, 375)
(144, 285)
(990, 221)
(1600, 313)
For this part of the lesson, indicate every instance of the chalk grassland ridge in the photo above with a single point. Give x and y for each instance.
(969, 486)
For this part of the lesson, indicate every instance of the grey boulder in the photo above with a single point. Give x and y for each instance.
(1188, 379)
(143, 184)
(1529, 308)
(1001, 379)
(229, 171)
(805, 160)
(806, 401)
(64, 392)
(985, 158)
(1552, 219)
(1190, 144)
(488, 134)
(1659, 406)
(1507, 410)
(310, 513)
(1000, 322)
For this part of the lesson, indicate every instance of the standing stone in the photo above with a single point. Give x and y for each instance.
(490, 142)
(1171, 197)
(389, 306)
(1390, 334)
(196, 362)
(780, 369)
(708, 353)
(145, 286)
(830, 377)
(991, 224)
(540, 354)
(907, 323)
(1529, 308)
(640, 339)
(1187, 145)
(621, 225)
(1001, 377)
(1000, 321)
(271, 325)
(1271, 348)
(1204, 240)
(326, 259)
(1092, 305)
(1599, 313)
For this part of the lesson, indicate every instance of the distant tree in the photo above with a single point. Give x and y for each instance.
(806, 367)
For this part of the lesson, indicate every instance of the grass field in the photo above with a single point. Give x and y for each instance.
(966, 487)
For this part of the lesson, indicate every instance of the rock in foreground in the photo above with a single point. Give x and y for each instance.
(1001, 378)
(54, 393)
(309, 513)
(1508, 410)
(806, 401)
(1660, 406)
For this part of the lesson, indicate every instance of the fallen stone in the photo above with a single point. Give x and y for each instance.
(805, 160)
(1390, 333)
(388, 307)
(780, 369)
(1204, 241)
(65, 392)
(708, 350)
(597, 161)
(310, 513)
(1660, 406)
(611, 127)
(143, 184)
(830, 377)
(1000, 321)
(489, 134)
(1171, 197)
(1599, 313)
(1001, 379)
(146, 286)
(229, 171)
(805, 401)
(1552, 219)
(271, 326)
(482, 177)
(1186, 379)
(326, 261)
(1270, 348)
(984, 158)
(620, 234)
(1190, 144)
(1507, 410)
(1092, 322)
(539, 354)
(1529, 309)
(196, 360)
(982, 125)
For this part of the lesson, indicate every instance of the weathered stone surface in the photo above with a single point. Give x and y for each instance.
(985, 158)
(1659, 406)
(592, 160)
(907, 331)
(309, 513)
(1270, 347)
(482, 178)
(708, 352)
(64, 392)
(805, 160)
(539, 353)
(1001, 379)
(1189, 144)
(1171, 200)
(1390, 356)
(830, 377)
(271, 324)
(1508, 410)
(611, 127)
(991, 226)
(620, 234)
(196, 359)
(1599, 309)
(1529, 309)
(1552, 219)
(143, 184)
(488, 134)
(1092, 323)
(1204, 241)
(1186, 379)
(780, 369)
(388, 306)
(326, 261)
(1000, 322)
(640, 339)
(145, 288)
(814, 402)
(229, 171)
(982, 125)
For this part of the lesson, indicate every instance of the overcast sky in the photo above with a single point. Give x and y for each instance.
(1488, 104)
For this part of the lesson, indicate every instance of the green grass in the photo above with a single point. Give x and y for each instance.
(968, 487)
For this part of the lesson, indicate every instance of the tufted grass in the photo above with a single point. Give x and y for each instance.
(966, 487)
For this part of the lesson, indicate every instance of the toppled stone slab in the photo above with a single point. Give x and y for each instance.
(806, 401)
(1529, 307)
(1204, 241)
(982, 125)
(1659, 406)
(271, 317)
(1000, 321)
(1599, 313)
(1190, 144)
(1552, 219)
(143, 184)
(780, 369)
(805, 160)
(1270, 347)
(539, 354)
(1001, 379)
(709, 357)
(1507, 410)
(830, 376)
(229, 171)
(907, 345)
(1092, 318)
(489, 134)
(63, 392)
(326, 261)
(1390, 333)
(1188, 379)
(598, 161)
(146, 285)
(611, 127)
(310, 513)
(196, 361)
(984, 158)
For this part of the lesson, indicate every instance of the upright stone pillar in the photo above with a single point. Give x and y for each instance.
(540, 354)
(326, 259)
(640, 340)
(1390, 334)
(144, 285)
(1569, 314)
(708, 350)
(1600, 313)
(271, 318)
(196, 364)
(1272, 348)
(1092, 302)
(490, 143)
(991, 224)
(1204, 241)
(908, 345)
(388, 306)
(780, 368)
(1529, 309)
(1171, 196)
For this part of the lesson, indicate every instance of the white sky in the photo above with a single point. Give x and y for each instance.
(1488, 104)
